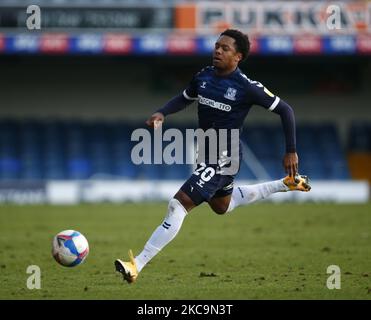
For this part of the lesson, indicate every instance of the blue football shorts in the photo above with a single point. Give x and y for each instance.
(206, 183)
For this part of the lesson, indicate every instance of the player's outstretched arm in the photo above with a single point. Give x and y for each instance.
(155, 120)
(290, 163)
(176, 104)
(290, 160)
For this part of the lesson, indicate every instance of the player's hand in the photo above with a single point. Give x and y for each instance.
(290, 163)
(155, 120)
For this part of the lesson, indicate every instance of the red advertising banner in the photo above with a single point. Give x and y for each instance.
(178, 44)
(2, 43)
(364, 44)
(117, 44)
(54, 43)
(308, 44)
(254, 45)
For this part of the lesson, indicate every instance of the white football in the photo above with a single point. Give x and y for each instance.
(70, 248)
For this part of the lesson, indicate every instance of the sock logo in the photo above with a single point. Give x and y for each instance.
(166, 225)
(240, 192)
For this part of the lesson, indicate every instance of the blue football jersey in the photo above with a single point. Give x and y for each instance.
(224, 101)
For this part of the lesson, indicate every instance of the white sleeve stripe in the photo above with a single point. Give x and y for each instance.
(188, 97)
(274, 104)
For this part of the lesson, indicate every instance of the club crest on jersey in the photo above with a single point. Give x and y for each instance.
(230, 94)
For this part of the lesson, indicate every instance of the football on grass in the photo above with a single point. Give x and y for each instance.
(70, 248)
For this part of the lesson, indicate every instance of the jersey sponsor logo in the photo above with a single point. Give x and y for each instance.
(214, 104)
(230, 94)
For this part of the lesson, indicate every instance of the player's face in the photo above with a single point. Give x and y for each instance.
(225, 56)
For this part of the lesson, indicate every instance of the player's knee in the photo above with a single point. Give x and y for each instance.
(184, 200)
(220, 209)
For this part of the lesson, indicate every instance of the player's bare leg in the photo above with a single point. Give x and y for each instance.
(220, 205)
(185, 200)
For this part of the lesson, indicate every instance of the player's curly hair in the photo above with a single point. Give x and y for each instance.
(241, 39)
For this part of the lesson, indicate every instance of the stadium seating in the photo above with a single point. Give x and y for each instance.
(360, 137)
(72, 150)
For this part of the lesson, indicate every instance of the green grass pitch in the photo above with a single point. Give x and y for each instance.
(262, 251)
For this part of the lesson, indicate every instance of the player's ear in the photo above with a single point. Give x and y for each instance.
(238, 57)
